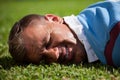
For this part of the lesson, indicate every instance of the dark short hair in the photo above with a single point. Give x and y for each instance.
(16, 41)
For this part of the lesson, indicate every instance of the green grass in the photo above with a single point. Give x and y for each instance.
(13, 10)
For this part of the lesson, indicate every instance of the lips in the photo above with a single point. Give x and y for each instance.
(65, 54)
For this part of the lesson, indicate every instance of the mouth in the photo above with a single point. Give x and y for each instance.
(65, 54)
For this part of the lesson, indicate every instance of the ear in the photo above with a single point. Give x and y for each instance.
(54, 18)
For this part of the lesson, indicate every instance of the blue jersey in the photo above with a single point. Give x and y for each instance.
(98, 21)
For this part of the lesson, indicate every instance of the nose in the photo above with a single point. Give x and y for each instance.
(52, 53)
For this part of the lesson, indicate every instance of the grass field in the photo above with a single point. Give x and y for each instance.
(13, 10)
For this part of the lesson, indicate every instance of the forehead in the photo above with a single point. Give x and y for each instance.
(36, 33)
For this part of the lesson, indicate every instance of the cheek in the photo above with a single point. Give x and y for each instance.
(60, 35)
(64, 34)
(56, 38)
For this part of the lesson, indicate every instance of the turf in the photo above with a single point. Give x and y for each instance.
(13, 10)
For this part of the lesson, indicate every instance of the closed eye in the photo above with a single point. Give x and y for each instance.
(48, 43)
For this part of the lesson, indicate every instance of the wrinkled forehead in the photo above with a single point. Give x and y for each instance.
(36, 34)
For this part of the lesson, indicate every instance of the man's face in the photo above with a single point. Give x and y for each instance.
(56, 43)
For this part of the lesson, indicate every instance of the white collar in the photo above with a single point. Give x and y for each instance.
(77, 27)
(113, 0)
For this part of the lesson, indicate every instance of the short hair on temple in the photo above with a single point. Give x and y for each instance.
(16, 40)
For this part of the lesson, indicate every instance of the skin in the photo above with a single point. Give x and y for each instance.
(54, 40)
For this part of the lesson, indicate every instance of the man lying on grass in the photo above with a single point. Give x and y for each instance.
(92, 35)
